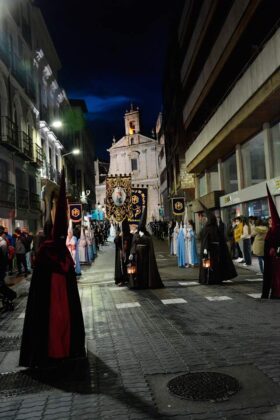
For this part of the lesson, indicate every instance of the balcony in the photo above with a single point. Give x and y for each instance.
(49, 172)
(22, 197)
(27, 145)
(9, 134)
(7, 195)
(38, 155)
(34, 201)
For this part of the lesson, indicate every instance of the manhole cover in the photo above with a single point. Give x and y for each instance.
(204, 386)
(10, 343)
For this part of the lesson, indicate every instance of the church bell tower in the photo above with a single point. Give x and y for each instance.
(132, 121)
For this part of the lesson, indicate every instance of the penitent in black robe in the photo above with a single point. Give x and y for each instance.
(147, 276)
(53, 326)
(123, 245)
(222, 267)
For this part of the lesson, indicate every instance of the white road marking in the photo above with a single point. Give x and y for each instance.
(127, 305)
(22, 315)
(217, 298)
(254, 295)
(253, 280)
(188, 283)
(171, 301)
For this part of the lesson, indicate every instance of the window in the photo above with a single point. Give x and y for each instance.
(214, 178)
(134, 164)
(275, 137)
(202, 185)
(230, 174)
(4, 170)
(132, 141)
(253, 161)
(132, 127)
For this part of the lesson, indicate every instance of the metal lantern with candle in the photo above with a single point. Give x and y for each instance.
(206, 263)
(131, 269)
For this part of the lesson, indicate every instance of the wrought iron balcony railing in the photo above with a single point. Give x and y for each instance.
(7, 194)
(39, 155)
(48, 171)
(22, 198)
(27, 145)
(9, 134)
(34, 201)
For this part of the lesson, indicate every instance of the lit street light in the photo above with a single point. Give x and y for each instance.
(57, 124)
(73, 152)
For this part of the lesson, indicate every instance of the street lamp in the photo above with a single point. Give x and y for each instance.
(73, 152)
(57, 124)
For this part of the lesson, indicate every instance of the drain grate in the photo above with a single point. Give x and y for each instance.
(204, 386)
(10, 343)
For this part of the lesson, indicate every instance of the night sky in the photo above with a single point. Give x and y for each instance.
(112, 54)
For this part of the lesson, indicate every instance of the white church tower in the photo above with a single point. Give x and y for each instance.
(138, 155)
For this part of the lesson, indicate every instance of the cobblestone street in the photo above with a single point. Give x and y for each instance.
(137, 340)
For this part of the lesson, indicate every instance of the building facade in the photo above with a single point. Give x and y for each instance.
(222, 108)
(137, 155)
(31, 149)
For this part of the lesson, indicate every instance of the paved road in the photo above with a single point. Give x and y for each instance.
(138, 340)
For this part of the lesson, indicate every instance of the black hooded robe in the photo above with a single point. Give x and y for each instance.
(35, 344)
(147, 276)
(222, 267)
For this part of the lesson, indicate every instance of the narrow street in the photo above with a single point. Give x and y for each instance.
(137, 340)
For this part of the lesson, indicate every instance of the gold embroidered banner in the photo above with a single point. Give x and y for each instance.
(118, 197)
(139, 199)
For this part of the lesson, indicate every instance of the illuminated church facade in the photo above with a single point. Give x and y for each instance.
(137, 155)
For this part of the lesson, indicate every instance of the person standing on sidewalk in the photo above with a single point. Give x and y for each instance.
(238, 231)
(259, 232)
(20, 252)
(6, 292)
(246, 238)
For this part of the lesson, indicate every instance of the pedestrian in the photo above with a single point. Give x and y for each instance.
(53, 326)
(271, 275)
(11, 251)
(259, 231)
(246, 238)
(238, 231)
(171, 227)
(8, 295)
(192, 258)
(27, 240)
(215, 251)
(20, 252)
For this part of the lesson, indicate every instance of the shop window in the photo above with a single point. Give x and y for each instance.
(275, 137)
(253, 161)
(230, 174)
(257, 208)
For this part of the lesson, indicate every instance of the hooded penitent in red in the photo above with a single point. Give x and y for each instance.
(53, 326)
(271, 276)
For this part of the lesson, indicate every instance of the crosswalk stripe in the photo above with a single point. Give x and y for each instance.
(254, 295)
(217, 298)
(127, 305)
(188, 283)
(171, 301)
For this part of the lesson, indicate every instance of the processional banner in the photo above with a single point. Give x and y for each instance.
(178, 206)
(75, 212)
(118, 197)
(139, 199)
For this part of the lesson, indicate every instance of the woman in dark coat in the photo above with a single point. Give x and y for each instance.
(53, 326)
(213, 246)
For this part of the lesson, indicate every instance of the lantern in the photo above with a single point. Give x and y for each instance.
(131, 269)
(206, 263)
